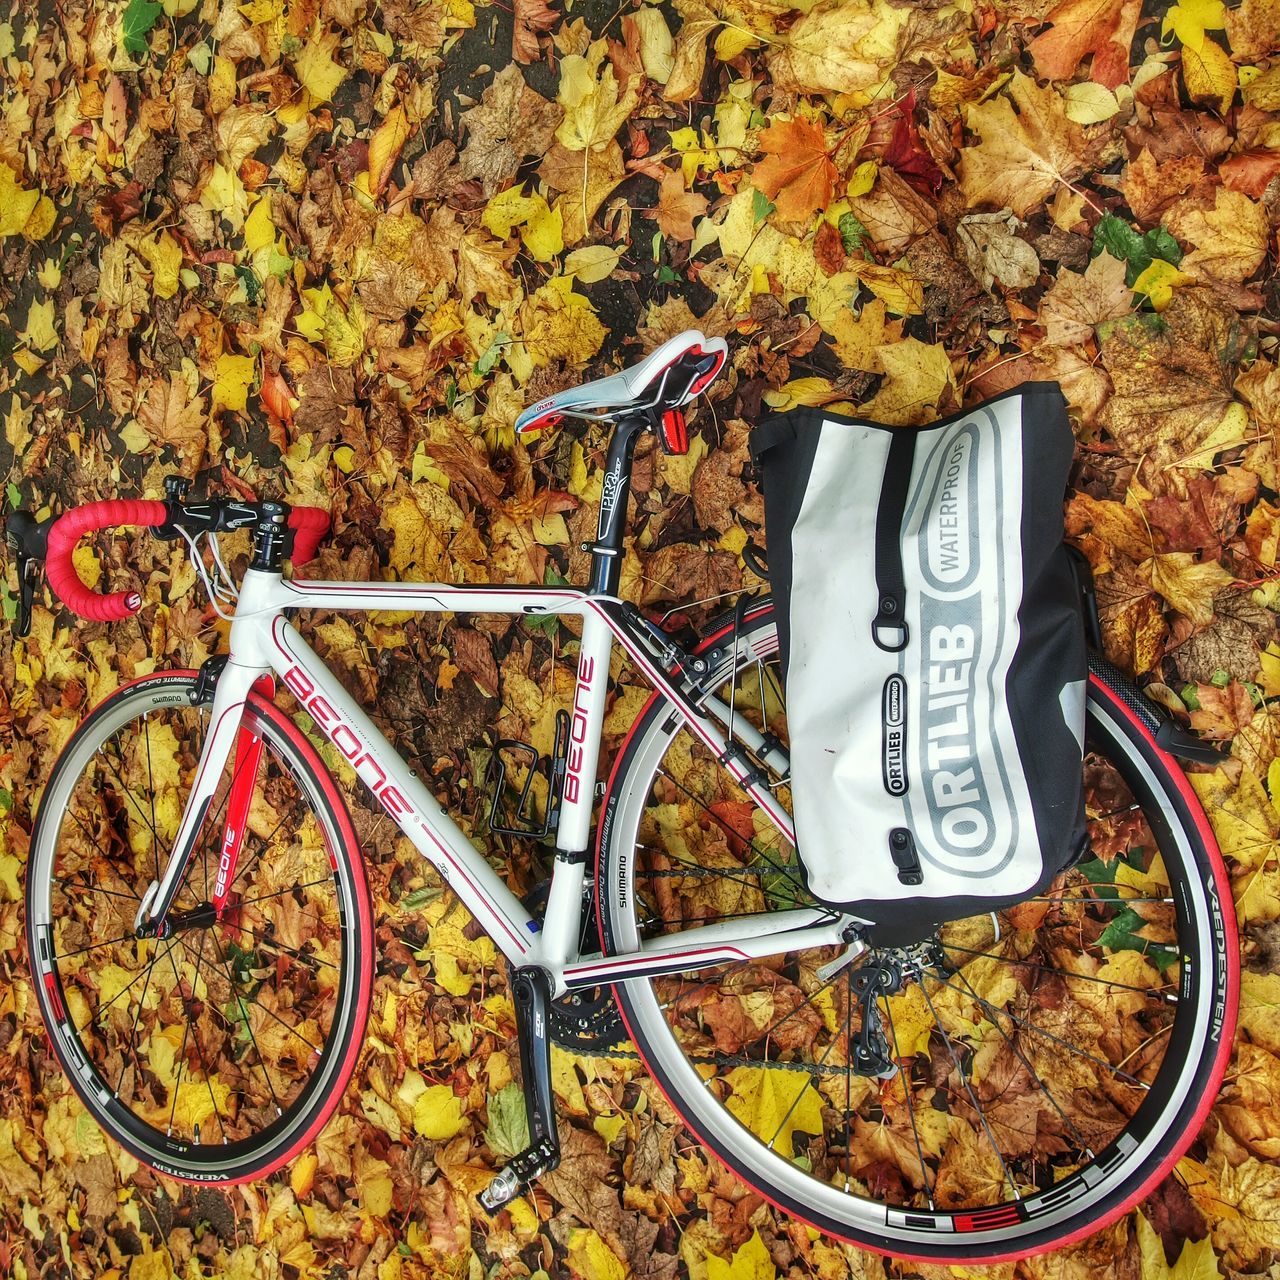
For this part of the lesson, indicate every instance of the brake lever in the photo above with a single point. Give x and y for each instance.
(28, 542)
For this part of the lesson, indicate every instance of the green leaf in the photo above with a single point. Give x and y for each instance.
(761, 206)
(139, 18)
(252, 285)
(852, 232)
(667, 275)
(1115, 236)
(494, 352)
(508, 1131)
(15, 495)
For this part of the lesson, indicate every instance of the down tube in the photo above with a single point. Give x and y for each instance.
(415, 810)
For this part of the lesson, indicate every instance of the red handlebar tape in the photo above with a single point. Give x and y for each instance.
(68, 529)
(309, 524)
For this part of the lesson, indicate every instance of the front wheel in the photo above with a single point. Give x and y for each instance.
(216, 1053)
(1049, 1063)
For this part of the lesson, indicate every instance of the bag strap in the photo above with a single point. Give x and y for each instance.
(889, 627)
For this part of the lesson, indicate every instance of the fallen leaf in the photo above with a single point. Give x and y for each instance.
(593, 108)
(797, 173)
(1028, 148)
(995, 252)
(677, 207)
(1077, 303)
(1103, 28)
(531, 17)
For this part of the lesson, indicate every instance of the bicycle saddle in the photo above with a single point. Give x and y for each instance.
(676, 372)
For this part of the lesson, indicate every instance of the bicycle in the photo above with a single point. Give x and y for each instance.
(201, 936)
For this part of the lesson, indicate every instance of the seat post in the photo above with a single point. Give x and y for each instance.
(606, 552)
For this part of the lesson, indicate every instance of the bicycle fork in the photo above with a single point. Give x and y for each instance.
(228, 740)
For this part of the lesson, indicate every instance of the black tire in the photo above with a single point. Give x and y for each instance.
(246, 1030)
(905, 1166)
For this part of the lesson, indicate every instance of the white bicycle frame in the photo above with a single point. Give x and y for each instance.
(263, 641)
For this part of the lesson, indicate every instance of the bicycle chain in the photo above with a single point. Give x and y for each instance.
(727, 1059)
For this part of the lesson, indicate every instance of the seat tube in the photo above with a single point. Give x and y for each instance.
(606, 552)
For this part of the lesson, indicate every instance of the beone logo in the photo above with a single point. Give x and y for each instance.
(224, 862)
(344, 738)
(578, 732)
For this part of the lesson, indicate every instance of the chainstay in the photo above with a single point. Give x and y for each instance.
(721, 1060)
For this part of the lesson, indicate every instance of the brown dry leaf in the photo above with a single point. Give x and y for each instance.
(1103, 28)
(994, 251)
(1172, 381)
(1078, 302)
(797, 174)
(689, 60)
(1024, 153)
(169, 416)
(1188, 584)
(510, 122)
(1151, 185)
(531, 17)
(1230, 238)
(677, 207)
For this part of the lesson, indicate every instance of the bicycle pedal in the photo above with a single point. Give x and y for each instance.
(524, 822)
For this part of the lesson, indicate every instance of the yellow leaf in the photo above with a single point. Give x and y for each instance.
(509, 209)
(733, 41)
(1242, 815)
(231, 380)
(375, 1194)
(807, 391)
(303, 1173)
(751, 1262)
(318, 73)
(1158, 280)
(910, 1023)
(384, 148)
(917, 374)
(438, 1113)
(259, 230)
(864, 178)
(774, 1104)
(1187, 584)
(591, 1259)
(344, 333)
(151, 1266)
(41, 221)
(543, 236)
(903, 294)
(1190, 19)
(593, 262)
(16, 203)
(608, 1127)
(40, 333)
(9, 868)
(1090, 103)
(593, 111)
(1209, 74)
(164, 256)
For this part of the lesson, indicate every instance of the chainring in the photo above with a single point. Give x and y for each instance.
(586, 1019)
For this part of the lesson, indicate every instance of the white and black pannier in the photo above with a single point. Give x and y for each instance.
(934, 656)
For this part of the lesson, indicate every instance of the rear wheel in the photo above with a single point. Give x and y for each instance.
(216, 1053)
(1047, 1064)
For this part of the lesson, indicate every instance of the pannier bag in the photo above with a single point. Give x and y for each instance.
(934, 656)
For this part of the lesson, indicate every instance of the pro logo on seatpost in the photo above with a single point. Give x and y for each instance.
(893, 716)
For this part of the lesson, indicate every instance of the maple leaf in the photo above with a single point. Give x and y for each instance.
(677, 207)
(531, 16)
(1230, 238)
(593, 109)
(1077, 303)
(1024, 154)
(797, 175)
(1103, 28)
(774, 1104)
(510, 122)
(840, 48)
(139, 17)
(905, 154)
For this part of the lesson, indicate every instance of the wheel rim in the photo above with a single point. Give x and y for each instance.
(800, 1123)
(213, 1047)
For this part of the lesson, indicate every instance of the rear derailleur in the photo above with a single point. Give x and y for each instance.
(884, 973)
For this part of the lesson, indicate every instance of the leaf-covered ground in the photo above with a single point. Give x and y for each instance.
(329, 248)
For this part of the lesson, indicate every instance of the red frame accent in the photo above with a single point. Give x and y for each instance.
(244, 773)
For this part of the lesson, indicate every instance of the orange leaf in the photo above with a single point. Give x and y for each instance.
(1079, 27)
(798, 175)
(276, 397)
(532, 16)
(115, 108)
(677, 207)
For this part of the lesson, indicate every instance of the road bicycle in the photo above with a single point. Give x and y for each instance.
(201, 936)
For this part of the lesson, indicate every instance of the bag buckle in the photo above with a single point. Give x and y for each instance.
(888, 628)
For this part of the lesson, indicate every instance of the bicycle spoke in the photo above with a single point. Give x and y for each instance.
(911, 1109)
(93, 946)
(244, 1013)
(282, 948)
(104, 1007)
(133, 1033)
(973, 1098)
(1167, 993)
